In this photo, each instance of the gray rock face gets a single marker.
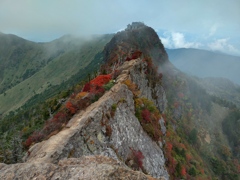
(163, 128)
(91, 167)
(107, 127)
(156, 94)
(128, 133)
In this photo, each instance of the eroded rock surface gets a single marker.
(91, 167)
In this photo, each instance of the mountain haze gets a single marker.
(203, 63)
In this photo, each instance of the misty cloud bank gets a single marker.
(43, 20)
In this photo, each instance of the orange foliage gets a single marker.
(169, 146)
(72, 109)
(132, 87)
(81, 95)
(168, 134)
(182, 146)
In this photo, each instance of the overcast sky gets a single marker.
(205, 24)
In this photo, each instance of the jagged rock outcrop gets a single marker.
(88, 132)
(91, 167)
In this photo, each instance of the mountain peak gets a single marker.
(136, 37)
(135, 25)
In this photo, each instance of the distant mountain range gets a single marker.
(203, 63)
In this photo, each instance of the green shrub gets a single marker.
(109, 85)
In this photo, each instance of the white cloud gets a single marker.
(223, 46)
(177, 40)
(166, 42)
(213, 29)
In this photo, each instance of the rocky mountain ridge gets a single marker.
(84, 134)
(150, 117)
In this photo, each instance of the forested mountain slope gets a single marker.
(29, 68)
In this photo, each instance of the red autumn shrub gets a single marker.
(146, 115)
(83, 103)
(52, 125)
(28, 142)
(97, 90)
(101, 80)
(183, 171)
(34, 138)
(128, 59)
(136, 54)
(138, 157)
(169, 146)
(60, 117)
(172, 165)
(86, 88)
(95, 85)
